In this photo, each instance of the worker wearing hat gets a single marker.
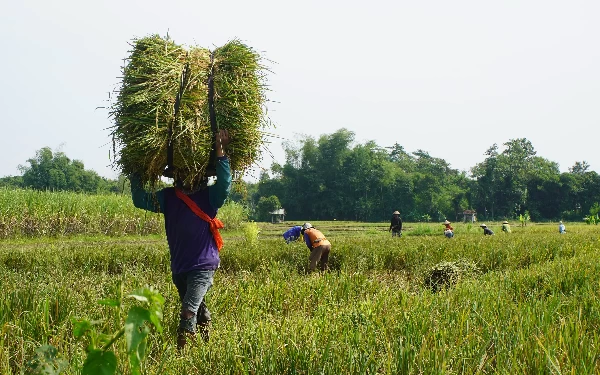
(506, 227)
(448, 230)
(318, 245)
(561, 228)
(396, 224)
(486, 231)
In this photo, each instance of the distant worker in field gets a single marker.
(318, 245)
(506, 227)
(486, 231)
(448, 230)
(292, 234)
(396, 224)
(193, 236)
(561, 228)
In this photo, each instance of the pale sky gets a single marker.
(449, 77)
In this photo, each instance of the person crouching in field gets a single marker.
(561, 228)
(448, 230)
(506, 227)
(396, 224)
(193, 238)
(486, 231)
(318, 245)
(292, 234)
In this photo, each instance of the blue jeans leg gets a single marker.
(192, 287)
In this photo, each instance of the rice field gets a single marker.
(31, 214)
(531, 307)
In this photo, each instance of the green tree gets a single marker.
(55, 171)
(502, 178)
(543, 189)
(266, 205)
(12, 182)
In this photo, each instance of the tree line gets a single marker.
(49, 170)
(332, 177)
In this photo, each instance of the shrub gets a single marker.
(233, 215)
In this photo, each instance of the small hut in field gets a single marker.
(278, 216)
(469, 216)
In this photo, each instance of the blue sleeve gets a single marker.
(154, 202)
(307, 241)
(292, 232)
(297, 230)
(217, 193)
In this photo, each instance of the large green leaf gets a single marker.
(45, 362)
(154, 302)
(136, 331)
(99, 362)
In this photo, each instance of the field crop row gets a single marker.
(533, 307)
(31, 213)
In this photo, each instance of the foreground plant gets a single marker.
(101, 359)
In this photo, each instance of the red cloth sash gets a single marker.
(214, 224)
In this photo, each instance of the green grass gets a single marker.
(533, 308)
(32, 213)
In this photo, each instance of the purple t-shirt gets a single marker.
(190, 240)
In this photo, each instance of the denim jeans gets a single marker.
(192, 287)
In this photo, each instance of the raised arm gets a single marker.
(154, 202)
(218, 192)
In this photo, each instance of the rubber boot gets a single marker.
(203, 321)
(183, 337)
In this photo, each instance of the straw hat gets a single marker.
(446, 222)
(505, 222)
(395, 213)
(483, 226)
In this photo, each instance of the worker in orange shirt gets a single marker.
(318, 245)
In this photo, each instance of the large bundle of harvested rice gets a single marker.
(167, 96)
(447, 274)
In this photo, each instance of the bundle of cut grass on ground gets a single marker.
(164, 97)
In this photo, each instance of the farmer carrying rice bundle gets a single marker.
(188, 115)
(193, 237)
